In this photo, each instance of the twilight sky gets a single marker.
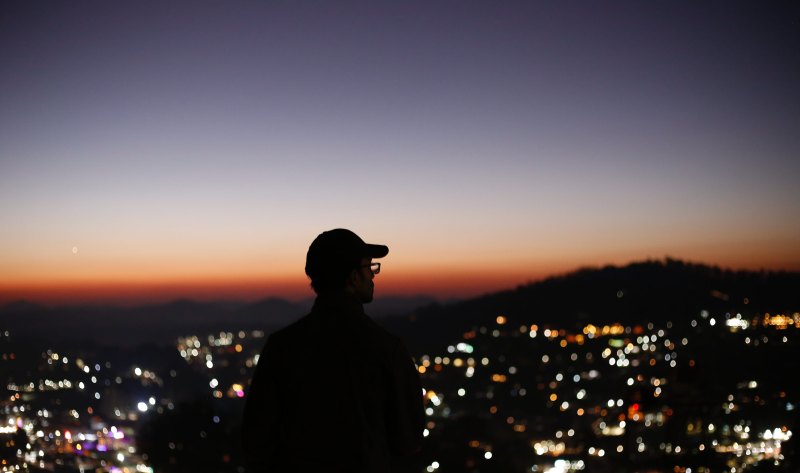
(150, 150)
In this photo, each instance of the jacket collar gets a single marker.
(340, 302)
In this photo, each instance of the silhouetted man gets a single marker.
(334, 392)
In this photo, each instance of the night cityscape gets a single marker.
(706, 392)
(586, 216)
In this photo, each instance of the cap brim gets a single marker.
(376, 251)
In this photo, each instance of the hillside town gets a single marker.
(501, 397)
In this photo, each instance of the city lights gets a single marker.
(595, 388)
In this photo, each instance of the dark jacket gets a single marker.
(333, 392)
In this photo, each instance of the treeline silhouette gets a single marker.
(649, 291)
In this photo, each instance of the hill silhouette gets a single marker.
(652, 291)
(163, 323)
(655, 291)
(158, 324)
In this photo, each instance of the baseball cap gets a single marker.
(339, 248)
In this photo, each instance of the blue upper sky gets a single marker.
(167, 139)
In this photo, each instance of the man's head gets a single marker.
(339, 260)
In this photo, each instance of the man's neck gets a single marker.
(340, 298)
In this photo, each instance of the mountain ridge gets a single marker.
(657, 290)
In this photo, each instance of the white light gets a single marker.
(462, 392)
(137, 371)
(214, 383)
(426, 432)
(120, 457)
(464, 348)
(152, 401)
(142, 406)
(487, 455)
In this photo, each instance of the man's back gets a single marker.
(333, 392)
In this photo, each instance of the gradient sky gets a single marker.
(150, 150)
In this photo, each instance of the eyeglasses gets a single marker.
(374, 267)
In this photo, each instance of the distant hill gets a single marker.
(158, 324)
(651, 290)
(657, 291)
(163, 323)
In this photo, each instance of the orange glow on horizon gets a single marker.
(145, 292)
(441, 281)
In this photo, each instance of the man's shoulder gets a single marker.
(382, 332)
(329, 324)
(293, 329)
